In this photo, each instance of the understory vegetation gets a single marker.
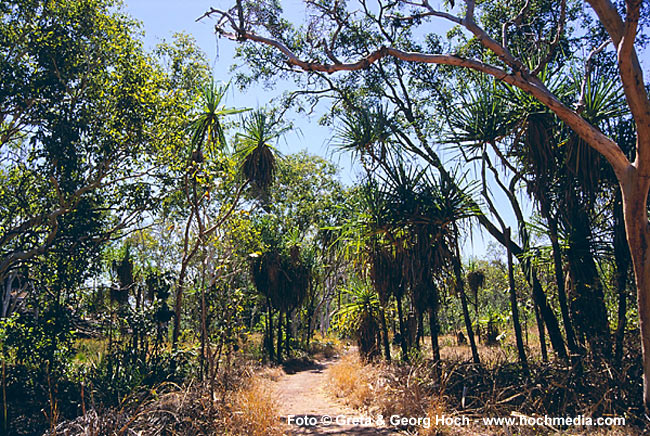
(161, 259)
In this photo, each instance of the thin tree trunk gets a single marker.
(460, 288)
(542, 335)
(433, 326)
(384, 333)
(287, 340)
(269, 324)
(515, 310)
(559, 279)
(402, 329)
(279, 345)
(420, 330)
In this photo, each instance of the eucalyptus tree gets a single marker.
(80, 111)
(514, 55)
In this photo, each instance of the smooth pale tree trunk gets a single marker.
(622, 266)
(635, 198)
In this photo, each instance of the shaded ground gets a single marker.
(301, 393)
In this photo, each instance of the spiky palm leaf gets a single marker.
(207, 128)
(255, 149)
(365, 131)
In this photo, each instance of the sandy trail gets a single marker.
(302, 394)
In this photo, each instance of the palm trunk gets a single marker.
(420, 331)
(269, 324)
(460, 288)
(433, 326)
(402, 329)
(513, 305)
(542, 334)
(559, 279)
(287, 340)
(279, 344)
(384, 333)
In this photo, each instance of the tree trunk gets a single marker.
(559, 278)
(433, 326)
(460, 288)
(635, 200)
(587, 298)
(279, 344)
(420, 331)
(545, 311)
(287, 340)
(384, 333)
(178, 306)
(542, 334)
(402, 329)
(513, 305)
(269, 324)
(622, 266)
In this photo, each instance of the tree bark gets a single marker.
(542, 334)
(278, 352)
(433, 327)
(402, 329)
(635, 198)
(460, 288)
(384, 333)
(515, 311)
(559, 277)
(269, 323)
(622, 265)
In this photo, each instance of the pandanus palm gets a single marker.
(360, 314)
(254, 146)
(283, 275)
(206, 134)
(207, 126)
(563, 170)
(410, 218)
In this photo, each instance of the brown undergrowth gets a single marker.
(496, 389)
(238, 403)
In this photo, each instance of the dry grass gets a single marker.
(497, 389)
(256, 411)
(351, 381)
(247, 409)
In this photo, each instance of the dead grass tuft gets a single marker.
(350, 380)
(256, 411)
(458, 387)
(246, 408)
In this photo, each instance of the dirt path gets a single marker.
(302, 395)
